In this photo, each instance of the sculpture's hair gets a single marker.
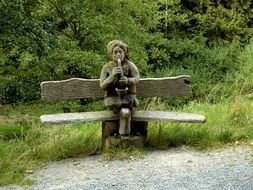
(114, 43)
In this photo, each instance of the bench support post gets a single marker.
(111, 137)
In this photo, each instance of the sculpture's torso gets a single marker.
(128, 70)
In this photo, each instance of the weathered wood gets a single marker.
(111, 129)
(62, 118)
(75, 88)
(168, 116)
(110, 116)
(167, 87)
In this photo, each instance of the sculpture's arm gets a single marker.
(134, 73)
(106, 80)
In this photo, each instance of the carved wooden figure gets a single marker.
(118, 79)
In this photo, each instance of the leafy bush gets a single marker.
(244, 76)
(212, 69)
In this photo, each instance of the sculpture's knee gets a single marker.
(125, 113)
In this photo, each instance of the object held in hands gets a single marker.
(121, 89)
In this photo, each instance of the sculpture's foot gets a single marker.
(129, 141)
(125, 136)
(112, 139)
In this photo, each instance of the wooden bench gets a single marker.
(76, 88)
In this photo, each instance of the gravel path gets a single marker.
(183, 168)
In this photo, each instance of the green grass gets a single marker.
(26, 145)
(227, 122)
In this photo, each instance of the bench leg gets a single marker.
(108, 129)
(140, 128)
(111, 137)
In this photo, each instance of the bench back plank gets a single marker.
(73, 88)
(76, 88)
(167, 87)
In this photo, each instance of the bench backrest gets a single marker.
(76, 88)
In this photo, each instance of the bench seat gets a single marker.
(63, 118)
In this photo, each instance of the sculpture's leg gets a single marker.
(124, 122)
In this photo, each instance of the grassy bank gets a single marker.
(26, 145)
(227, 122)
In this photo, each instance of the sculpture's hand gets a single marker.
(116, 71)
(123, 80)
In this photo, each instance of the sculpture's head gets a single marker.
(117, 49)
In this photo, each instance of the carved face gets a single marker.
(118, 52)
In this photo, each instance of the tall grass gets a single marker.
(43, 145)
(227, 122)
(244, 76)
(26, 146)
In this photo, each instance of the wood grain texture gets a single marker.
(168, 116)
(110, 116)
(62, 118)
(164, 87)
(75, 88)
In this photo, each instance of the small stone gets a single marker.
(236, 142)
(29, 172)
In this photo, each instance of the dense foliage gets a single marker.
(58, 39)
